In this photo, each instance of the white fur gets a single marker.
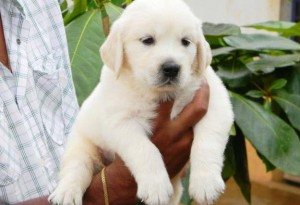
(117, 116)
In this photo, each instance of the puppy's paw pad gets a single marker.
(205, 189)
(154, 192)
(70, 196)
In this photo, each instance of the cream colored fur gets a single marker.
(117, 116)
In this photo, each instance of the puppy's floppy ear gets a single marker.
(111, 51)
(204, 55)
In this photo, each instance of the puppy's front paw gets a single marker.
(206, 188)
(155, 190)
(66, 195)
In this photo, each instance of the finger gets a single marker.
(194, 111)
(185, 140)
(183, 147)
(163, 113)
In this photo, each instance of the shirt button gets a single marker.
(18, 41)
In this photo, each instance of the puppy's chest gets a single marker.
(128, 103)
(144, 109)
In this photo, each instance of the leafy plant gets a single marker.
(87, 23)
(261, 72)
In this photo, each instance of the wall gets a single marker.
(240, 12)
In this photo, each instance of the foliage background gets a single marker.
(261, 72)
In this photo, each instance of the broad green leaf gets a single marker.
(222, 51)
(236, 165)
(290, 103)
(214, 33)
(241, 176)
(269, 134)
(233, 72)
(85, 36)
(278, 84)
(113, 11)
(211, 29)
(258, 42)
(293, 84)
(79, 7)
(277, 26)
(268, 63)
(229, 167)
(284, 28)
(215, 41)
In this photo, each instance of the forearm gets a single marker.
(37, 201)
(120, 185)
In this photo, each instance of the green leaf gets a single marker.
(267, 105)
(269, 134)
(278, 84)
(64, 7)
(85, 35)
(232, 131)
(241, 176)
(229, 167)
(236, 165)
(91, 4)
(255, 93)
(268, 63)
(258, 42)
(79, 7)
(277, 26)
(293, 84)
(113, 11)
(290, 103)
(215, 41)
(118, 3)
(222, 51)
(234, 73)
(211, 29)
(285, 28)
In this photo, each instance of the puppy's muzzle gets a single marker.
(170, 69)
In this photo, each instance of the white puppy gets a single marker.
(155, 51)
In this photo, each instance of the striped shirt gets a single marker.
(37, 99)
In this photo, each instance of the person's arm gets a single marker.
(172, 137)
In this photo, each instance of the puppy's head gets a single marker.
(160, 41)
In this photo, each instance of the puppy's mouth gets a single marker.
(167, 82)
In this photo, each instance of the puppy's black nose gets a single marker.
(170, 69)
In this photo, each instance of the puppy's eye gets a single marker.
(149, 40)
(185, 42)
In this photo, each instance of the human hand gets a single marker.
(172, 137)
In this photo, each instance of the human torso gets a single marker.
(37, 101)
